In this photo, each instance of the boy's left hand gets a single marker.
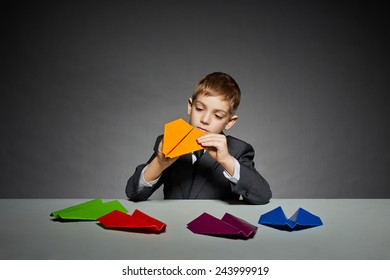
(216, 147)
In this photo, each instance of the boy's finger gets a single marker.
(211, 136)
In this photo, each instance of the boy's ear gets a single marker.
(189, 106)
(231, 122)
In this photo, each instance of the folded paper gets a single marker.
(138, 220)
(90, 210)
(180, 138)
(301, 219)
(229, 226)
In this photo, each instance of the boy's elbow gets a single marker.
(259, 200)
(260, 196)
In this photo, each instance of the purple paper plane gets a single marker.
(229, 226)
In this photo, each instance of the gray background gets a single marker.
(86, 86)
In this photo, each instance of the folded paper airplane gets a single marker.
(229, 226)
(180, 138)
(137, 221)
(91, 210)
(301, 219)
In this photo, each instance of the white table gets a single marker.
(353, 229)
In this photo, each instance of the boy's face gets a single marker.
(210, 114)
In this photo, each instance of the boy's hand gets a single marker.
(158, 164)
(216, 147)
(163, 160)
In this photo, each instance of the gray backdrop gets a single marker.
(86, 86)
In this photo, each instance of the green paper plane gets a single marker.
(91, 210)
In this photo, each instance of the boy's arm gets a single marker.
(133, 191)
(251, 185)
(153, 170)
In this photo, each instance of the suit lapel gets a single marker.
(186, 173)
(202, 170)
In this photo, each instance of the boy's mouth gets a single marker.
(202, 129)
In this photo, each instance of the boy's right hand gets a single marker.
(158, 164)
(163, 160)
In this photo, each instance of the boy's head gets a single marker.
(219, 84)
(214, 103)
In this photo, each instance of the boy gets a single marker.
(225, 170)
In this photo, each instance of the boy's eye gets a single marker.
(198, 108)
(218, 117)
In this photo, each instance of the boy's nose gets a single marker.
(205, 119)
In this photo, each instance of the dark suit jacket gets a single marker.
(205, 179)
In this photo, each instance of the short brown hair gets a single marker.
(216, 84)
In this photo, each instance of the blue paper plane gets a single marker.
(301, 219)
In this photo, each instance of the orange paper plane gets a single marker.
(180, 138)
